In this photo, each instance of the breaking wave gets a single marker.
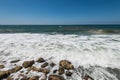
(96, 55)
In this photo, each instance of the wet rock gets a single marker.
(21, 71)
(45, 70)
(15, 69)
(14, 61)
(55, 71)
(44, 65)
(61, 71)
(27, 64)
(10, 78)
(40, 60)
(68, 73)
(23, 77)
(66, 64)
(55, 77)
(34, 69)
(4, 74)
(87, 77)
(34, 78)
(52, 64)
(2, 66)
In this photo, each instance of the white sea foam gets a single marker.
(81, 50)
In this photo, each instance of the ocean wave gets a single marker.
(81, 50)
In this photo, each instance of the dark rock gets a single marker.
(15, 69)
(23, 77)
(34, 69)
(52, 64)
(4, 74)
(66, 64)
(44, 65)
(87, 77)
(27, 64)
(40, 60)
(2, 66)
(61, 71)
(68, 73)
(45, 70)
(14, 61)
(54, 71)
(55, 77)
(34, 78)
(21, 71)
(10, 78)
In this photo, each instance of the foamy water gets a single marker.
(84, 51)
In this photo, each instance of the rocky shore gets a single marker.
(46, 69)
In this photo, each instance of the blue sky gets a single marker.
(59, 11)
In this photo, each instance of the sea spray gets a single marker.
(87, 51)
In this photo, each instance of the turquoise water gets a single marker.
(87, 29)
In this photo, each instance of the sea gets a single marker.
(92, 49)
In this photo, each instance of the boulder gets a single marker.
(40, 60)
(66, 64)
(55, 71)
(4, 74)
(44, 65)
(10, 78)
(15, 69)
(68, 73)
(27, 64)
(2, 66)
(52, 64)
(15, 61)
(34, 78)
(55, 77)
(87, 77)
(45, 70)
(61, 71)
(34, 69)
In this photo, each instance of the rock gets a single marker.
(87, 77)
(23, 77)
(34, 78)
(2, 66)
(54, 71)
(61, 71)
(14, 61)
(15, 69)
(4, 74)
(27, 64)
(52, 64)
(68, 73)
(34, 69)
(21, 71)
(45, 70)
(44, 65)
(55, 77)
(10, 78)
(43, 77)
(40, 60)
(66, 64)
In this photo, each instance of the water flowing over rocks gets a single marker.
(48, 70)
